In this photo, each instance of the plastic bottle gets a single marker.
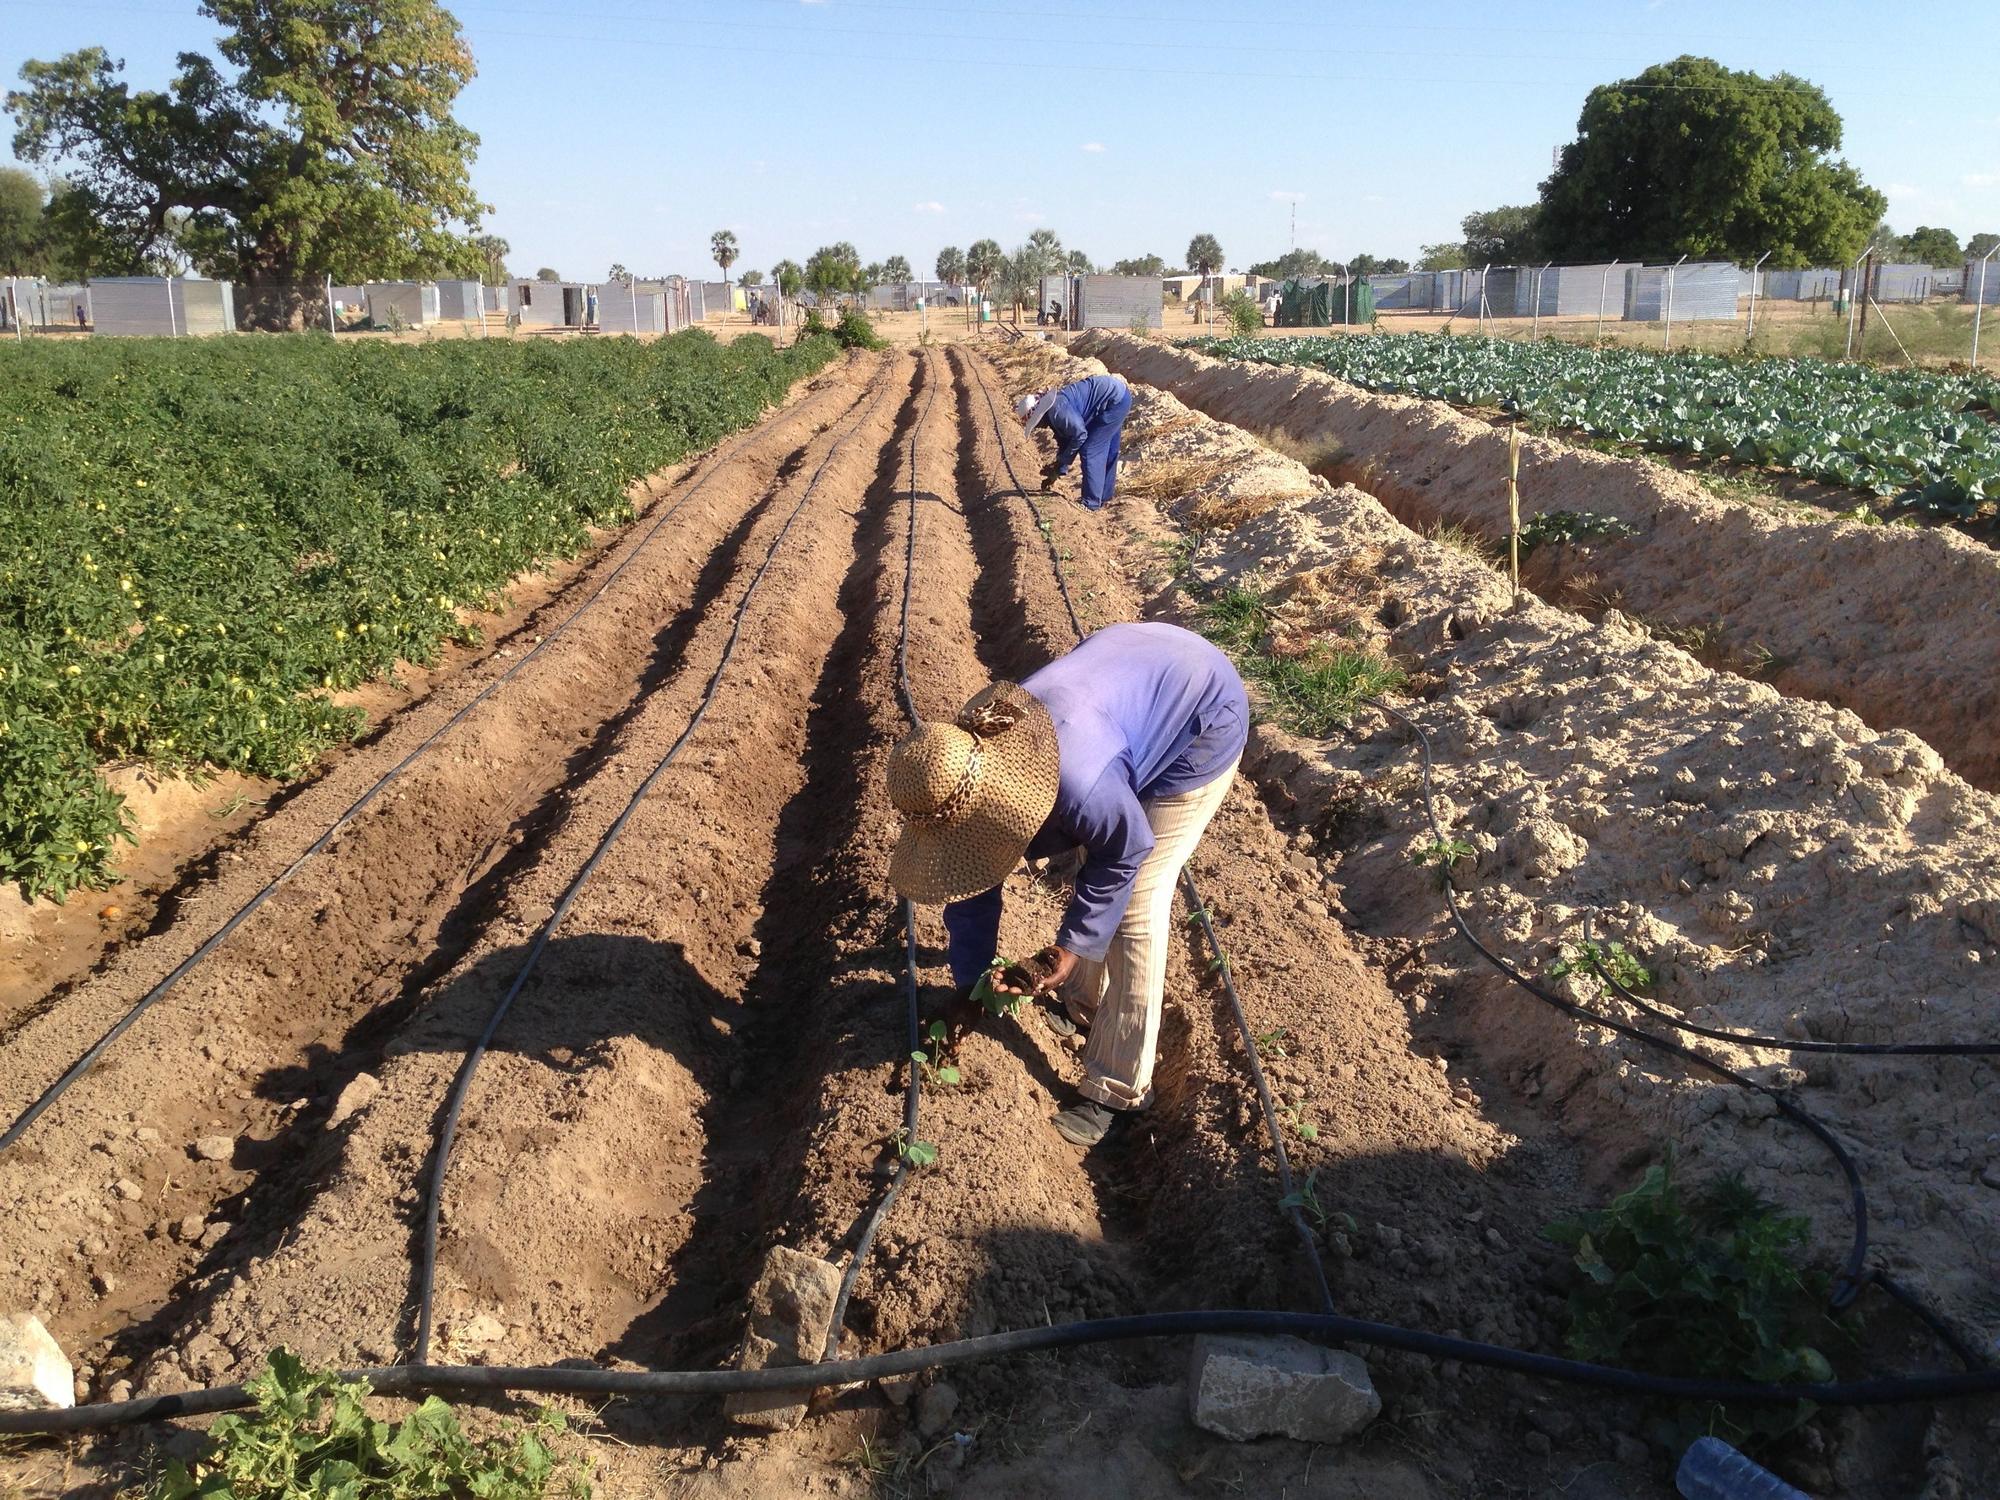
(1712, 1470)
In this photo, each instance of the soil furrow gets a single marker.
(571, 1169)
(274, 1013)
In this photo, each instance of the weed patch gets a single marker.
(1314, 691)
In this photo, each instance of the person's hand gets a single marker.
(1036, 975)
(1049, 477)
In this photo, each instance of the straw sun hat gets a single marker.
(972, 794)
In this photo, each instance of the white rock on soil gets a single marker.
(1244, 1388)
(358, 1095)
(791, 1308)
(478, 1330)
(936, 1406)
(34, 1373)
(215, 1148)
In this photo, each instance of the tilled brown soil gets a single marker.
(709, 1056)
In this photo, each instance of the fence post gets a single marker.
(1482, 297)
(1755, 279)
(173, 328)
(1670, 302)
(1514, 504)
(1848, 353)
(1603, 289)
(330, 328)
(1535, 329)
(1979, 309)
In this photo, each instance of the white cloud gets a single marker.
(1284, 195)
(1981, 179)
(928, 206)
(1094, 147)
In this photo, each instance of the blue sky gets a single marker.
(622, 130)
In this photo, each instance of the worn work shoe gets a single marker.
(1084, 1123)
(1058, 1017)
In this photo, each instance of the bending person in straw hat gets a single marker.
(1087, 417)
(1122, 749)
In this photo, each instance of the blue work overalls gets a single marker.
(1088, 417)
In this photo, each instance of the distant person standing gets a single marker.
(1087, 417)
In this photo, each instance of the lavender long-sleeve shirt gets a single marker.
(1141, 711)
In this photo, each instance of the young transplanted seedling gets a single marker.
(935, 1071)
(911, 1151)
(1441, 855)
(1306, 1196)
(996, 1003)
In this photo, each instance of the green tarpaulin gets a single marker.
(1323, 304)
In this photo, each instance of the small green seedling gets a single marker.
(1296, 1113)
(912, 1152)
(928, 1059)
(1613, 958)
(1441, 855)
(1272, 1043)
(1306, 1196)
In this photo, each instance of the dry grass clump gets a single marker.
(1173, 476)
(1466, 542)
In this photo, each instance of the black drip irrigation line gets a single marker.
(589, 1380)
(1044, 526)
(864, 1239)
(462, 1082)
(1746, 1039)
(1199, 913)
(215, 939)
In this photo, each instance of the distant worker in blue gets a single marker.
(1086, 417)
(1120, 753)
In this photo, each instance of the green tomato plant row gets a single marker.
(1923, 437)
(202, 542)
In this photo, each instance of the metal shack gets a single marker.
(552, 304)
(1696, 292)
(170, 305)
(401, 304)
(632, 307)
(715, 298)
(1118, 302)
(1982, 283)
(460, 301)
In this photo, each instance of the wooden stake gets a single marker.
(1514, 506)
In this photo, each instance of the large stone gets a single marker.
(791, 1309)
(34, 1373)
(1243, 1388)
(360, 1092)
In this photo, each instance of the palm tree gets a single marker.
(896, 271)
(789, 276)
(722, 245)
(983, 262)
(1078, 264)
(1204, 254)
(494, 250)
(1046, 252)
(950, 266)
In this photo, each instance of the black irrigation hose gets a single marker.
(462, 1082)
(1854, 1276)
(215, 939)
(1746, 1039)
(1200, 915)
(1045, 527)
(588, 1380)
(864, 1239)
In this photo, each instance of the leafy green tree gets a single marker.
(1980, 244)
(789, 277)
(1449, 256)
(1504, 236)
(1692, 158)
(1934, 247)
(833, 269)
(1377, 265)
(983, 262)
(331, 151)
(548, 273)
(950, 265)
(1204, 254)
(722, 247)
(1292, 263)
(618, 274)
(24, 244)
(1143, 265)
(752, 278)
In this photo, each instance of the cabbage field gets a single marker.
(1926, 439)
(202, 541)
